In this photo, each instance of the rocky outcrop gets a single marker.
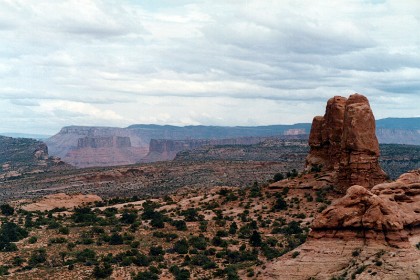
(326, 133)
(367, 234)
(360, 213)
(344, 141)
(359, 160)
(388, 212)
(24, 155)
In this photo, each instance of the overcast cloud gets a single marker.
(231, 62)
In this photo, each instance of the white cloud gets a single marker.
(202, 62)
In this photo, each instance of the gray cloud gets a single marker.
(202, 62)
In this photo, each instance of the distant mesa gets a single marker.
(110, 146)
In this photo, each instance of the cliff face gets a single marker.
(359, 159)
(104, 142)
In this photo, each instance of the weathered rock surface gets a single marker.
(332, 257)
(344, 141)
(367, 234)
(405, 194)
(360, 213)
(359, 160)
(326, 133)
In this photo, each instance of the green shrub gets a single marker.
(102, 271)
(181, 246)
(37, 257)
(7, 210)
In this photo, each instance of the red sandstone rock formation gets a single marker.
(359, 146)
(344, 141)
(387, 213)
(325, 136)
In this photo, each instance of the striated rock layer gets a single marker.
(344, 141)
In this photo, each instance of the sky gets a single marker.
(203, 62)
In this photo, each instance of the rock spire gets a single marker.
(344, 141)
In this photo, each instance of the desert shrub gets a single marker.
(203, 261)
(86, 255)
(141, 260)
(116, 239)
(198, 242)
(255, 239)
(128, 217)
(84, 215)
(233, 228)
(255, 190)
(181, 246)
(4, 270)
(222, 233)
(231, 273)
(191, 215)
(278, 177)
(58, 240)
(7, 247)
(102, 271)
(63, 230)
(179, 224)
(7, 210)
(218, 241)
(37, 257)
(18, 261)
(156, 251)
(146, 275)
(168, 236)
(270, 252)
(280, 204)
(11, 232)
(180, 274)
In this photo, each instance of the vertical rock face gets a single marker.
(344, 141)
(360, 148)
(325, 136)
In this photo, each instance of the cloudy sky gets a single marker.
(210, 62)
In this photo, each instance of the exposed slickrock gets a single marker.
(361, 214)
(60, 200)
(332, 257)
(405, 193)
